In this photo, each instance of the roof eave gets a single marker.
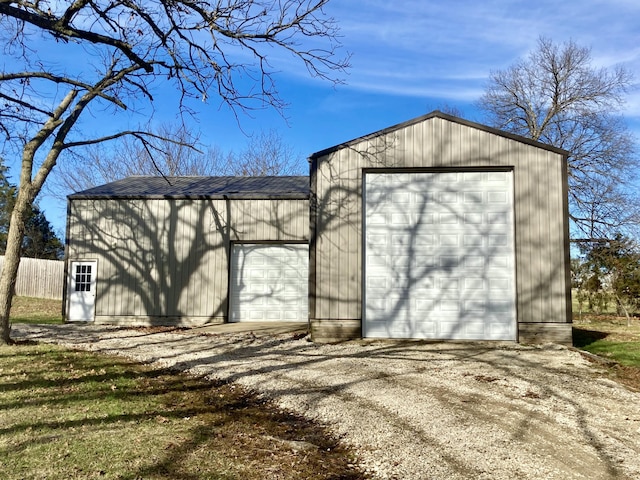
(230, 196)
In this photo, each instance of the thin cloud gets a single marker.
(398, 46)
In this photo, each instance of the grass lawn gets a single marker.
(71, 414)
(36, 310)
(611, 338)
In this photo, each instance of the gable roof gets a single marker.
(155, 187)
(444, 116)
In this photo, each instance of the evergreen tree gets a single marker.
(40, 240)
(7, 195)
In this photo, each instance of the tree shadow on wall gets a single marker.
(166, 261)
(340, 247)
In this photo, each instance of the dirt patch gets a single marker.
(415, 409)
(629, 376)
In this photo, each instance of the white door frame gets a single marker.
(81, 292)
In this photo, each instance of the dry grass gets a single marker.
(36, 310)
(70, 414)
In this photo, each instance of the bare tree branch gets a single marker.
(60, 27)
(557, 97)
(120, 50)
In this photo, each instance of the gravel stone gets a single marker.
(415, 410)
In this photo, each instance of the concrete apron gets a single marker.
(257, 328)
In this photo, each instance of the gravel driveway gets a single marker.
(416, 410)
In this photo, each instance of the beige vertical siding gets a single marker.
(269, 220)
(167, 260)
(540, 206)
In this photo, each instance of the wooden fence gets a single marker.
(39, 278)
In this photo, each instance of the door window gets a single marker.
(83, 278)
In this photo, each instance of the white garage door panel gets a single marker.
(269, 283)
(439, 256)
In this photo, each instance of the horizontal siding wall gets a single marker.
(440, 143)
(169, 258)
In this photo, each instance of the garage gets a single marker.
(269, 282)
(435, 228)
(159, 251)
(439, 255)
(440, 228)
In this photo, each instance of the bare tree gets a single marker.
(118, 53)
(266, 154)
(174, 155)
(556, 96)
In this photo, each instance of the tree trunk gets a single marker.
(624, 309)
(10, 268)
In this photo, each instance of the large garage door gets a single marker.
(439, 256)
(269, 283)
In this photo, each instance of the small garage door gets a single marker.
(269, 283)
(439, 256)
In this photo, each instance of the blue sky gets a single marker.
(410, 57)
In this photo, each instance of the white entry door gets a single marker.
(82, 291)
(440, 255)
(269, 283)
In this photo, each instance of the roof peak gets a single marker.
(444, 116)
